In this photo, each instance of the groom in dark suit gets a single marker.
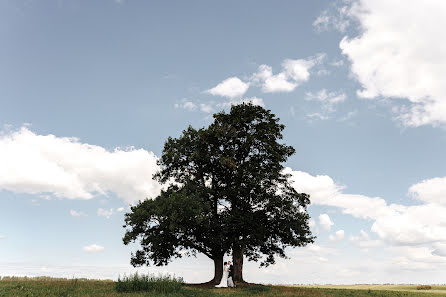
(231, 275)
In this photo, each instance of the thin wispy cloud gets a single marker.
(93, 248)
(75, 213)
(186, 104)
(105, 212)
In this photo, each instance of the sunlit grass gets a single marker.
(62, 287)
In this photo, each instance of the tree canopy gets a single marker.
(227, 192)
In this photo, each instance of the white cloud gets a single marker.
(294, 72)
(67, 168)
(120, 209)
(348, 116)
(430, 190)
(394, 223)
(363, 236)
(323, 72)
(339, 235)
(317, 115)
(231, 87)
(94, 248)
(336, 18)
(364, 240)
(2, 236)
(207, 108)
(337, 63)
(325, 222)
(105, 212)
(439, 249)
(399, 53)
(273, 83)
(328, 100)
(416, 258)
(324, 96)
(75, 213)
(186, 104)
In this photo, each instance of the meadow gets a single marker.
(50, 287)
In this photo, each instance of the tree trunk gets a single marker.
(237, 258)
(218, 270)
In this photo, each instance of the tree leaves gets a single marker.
(227, 190)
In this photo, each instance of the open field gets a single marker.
(91, 288)
(436, 289)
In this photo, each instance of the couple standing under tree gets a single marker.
(227, 280)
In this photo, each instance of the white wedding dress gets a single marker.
(224, 279)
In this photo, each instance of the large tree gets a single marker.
(227, 193)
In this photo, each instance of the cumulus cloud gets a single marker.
(105, 212)
(75, 213)
(416, 258)
(231, 87)
(439, 249)
(399, 54)
(325, 222)
(339, 235)
(363, 236)
(364, 240)
(94, 248)
(67, 168)
(121, 209)
(394, 223)
(430, 190)
(294, 72)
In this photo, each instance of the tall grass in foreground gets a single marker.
(163, 284)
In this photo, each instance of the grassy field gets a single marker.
(438, 290)
(80, 287)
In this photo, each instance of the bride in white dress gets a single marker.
(224, 279)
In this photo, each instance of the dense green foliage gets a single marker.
(21, 287)
(146, 282)
(230, 194)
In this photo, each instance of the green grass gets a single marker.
(151, 283)
(50, 287)
(433, 291)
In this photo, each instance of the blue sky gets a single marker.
(89, 92)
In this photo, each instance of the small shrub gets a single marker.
(424, 287)
(159, 284)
